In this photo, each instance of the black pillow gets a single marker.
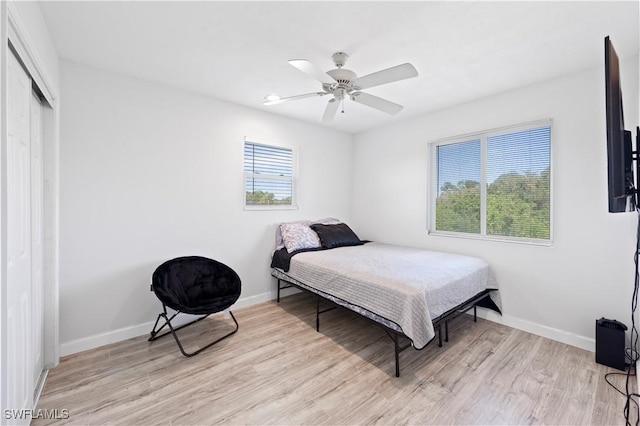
(338, 235)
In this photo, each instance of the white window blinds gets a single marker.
(519, 185)
(495, 184)
(458, 200)
(269, 175)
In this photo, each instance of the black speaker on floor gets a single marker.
(610, 343)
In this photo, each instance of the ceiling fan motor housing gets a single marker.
(343, 77)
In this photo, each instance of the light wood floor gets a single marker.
(278, 370)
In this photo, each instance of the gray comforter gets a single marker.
(407, 286)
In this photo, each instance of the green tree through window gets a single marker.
(458, 207)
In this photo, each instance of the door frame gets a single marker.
(14, 35)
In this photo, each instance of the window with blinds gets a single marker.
(495, 184)
(269, 175)
(458, 200)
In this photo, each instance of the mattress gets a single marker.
(404, 286)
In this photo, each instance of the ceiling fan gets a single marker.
(343, 83)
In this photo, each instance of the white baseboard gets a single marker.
(558, 335)
(125, 333)
(97, 340)
(102, 339)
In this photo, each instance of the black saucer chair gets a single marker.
(194, 285)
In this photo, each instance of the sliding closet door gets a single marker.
(37, 244)
(19, 266)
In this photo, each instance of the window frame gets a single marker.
(483, 136)
(293, 178)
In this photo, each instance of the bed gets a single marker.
(410, 292)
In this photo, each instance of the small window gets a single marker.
(495, 184)
(269, 176)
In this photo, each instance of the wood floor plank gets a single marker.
(279, 370)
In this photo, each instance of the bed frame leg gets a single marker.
(318, 314)
(446, 331)
(475, 313)
(439, 335)
(397, 354)
(278, 297)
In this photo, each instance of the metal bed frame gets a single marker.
(395, 335)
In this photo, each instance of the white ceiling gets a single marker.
(238, 51)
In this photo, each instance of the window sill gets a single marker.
(501, 239)
(270, 207)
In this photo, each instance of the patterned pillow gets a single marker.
(297, 236)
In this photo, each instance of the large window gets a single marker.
(495, 184)
(269, 175)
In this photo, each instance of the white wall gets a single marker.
(149, 173)
(556, 291)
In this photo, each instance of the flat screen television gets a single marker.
(620, 154)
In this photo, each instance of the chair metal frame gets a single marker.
(154, 333)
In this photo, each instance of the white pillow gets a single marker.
(327, 221)
(297, 236)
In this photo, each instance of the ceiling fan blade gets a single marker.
(376, 102)
(311, 70)
(397, 73)
(293, 98)
(330, 110)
